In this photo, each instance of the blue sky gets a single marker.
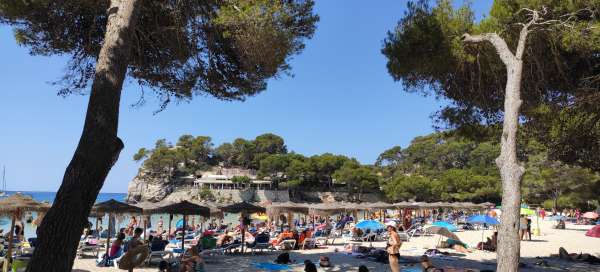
(340, 100)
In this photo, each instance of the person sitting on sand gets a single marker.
(490, 244)
(136, 239)
(115, 248)
(458, 245)
(193, 263)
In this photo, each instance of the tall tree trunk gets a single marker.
(97, 151)
(509, 244)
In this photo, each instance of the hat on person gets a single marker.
(391, 224)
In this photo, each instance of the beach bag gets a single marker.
(104, 261)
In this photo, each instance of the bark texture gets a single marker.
(509, 244)
(97, 151)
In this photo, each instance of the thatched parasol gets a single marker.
(183, 207)
(116, 207)
(14, 206)
(109, 207)
(243, 207)
(285, 207)
(377, 205)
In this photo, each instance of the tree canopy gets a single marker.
(224, 49)
(560, 77)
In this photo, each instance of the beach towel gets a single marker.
(272, 267)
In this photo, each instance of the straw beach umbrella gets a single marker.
(112, 206)
(243, 208)
(14, 206)
(184, 208)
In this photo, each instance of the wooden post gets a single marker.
(183, 236)
(108, 237)
(169, 233)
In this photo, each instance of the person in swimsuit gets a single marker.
(393, 247)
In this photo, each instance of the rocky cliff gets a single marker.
(148, 187)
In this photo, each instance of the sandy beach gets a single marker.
(573, 239)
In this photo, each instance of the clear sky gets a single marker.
(340, 100)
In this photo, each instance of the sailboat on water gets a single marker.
(3, 192)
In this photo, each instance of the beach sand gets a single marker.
(573, 239)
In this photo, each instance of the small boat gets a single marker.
(3, 192)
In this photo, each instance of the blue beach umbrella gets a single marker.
(370, 224)
(482, 219)
(447, 225)
(557, 218)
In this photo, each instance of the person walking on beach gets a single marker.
(393, 247)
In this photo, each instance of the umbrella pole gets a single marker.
(183, 235)
(145, 224)
(108, 236)
(169, 233)
(8, 257)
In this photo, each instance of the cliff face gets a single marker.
(146, 187)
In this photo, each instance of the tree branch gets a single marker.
(501, 47)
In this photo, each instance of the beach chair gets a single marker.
(85, 247)
(261, 243)
(158, 252)
(309, 243)
(287, 245)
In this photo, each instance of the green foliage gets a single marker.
(449, 167)
(140, 155)
(358, 178)
(564, 185)
(560, 74)
(206, 194)
(225, 49)
(241, 179)
(192, 154)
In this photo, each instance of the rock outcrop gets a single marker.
(147, 187)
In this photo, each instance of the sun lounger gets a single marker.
(309, 243)
(84, 247)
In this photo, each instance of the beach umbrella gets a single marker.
(14, 206)
(594, 232)
(482, 219)
(590, 215)
(243, 208)
(441, 231)
(112, 207)
(370, 224)
(446, 225)
(556, 218)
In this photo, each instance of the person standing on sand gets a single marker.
(393, 247)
